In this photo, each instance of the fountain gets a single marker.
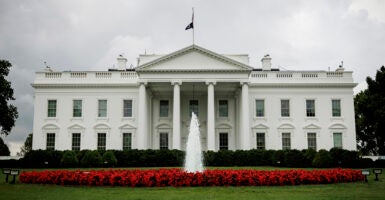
(193, 160)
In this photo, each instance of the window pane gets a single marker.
(163, 140)
(261, 141)
(260, 108)
(50, 141)
(51, 108)
(223, 108)
(337, 139)
(127, 141)
(336, 107)
(77, 108)
(310, 108)
(163, 108)
(285, 108)
(312, 141)
(127, 108)
(223, 141)
(101, 141)
(286, 142)
(193, 107)
(102, 108)
(75, 141)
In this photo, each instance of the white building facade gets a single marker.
(238, 106)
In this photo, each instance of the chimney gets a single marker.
(266, 63)
(341, 67)
(122, 61)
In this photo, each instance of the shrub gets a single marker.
(322, 159)
(109, 159)
(91, 159)
(309, 155)
(42, 159)
(294, 158)
(278, 158)
(364, 163)
(69, 159)
(379, 163)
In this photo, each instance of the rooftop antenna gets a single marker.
(342, 64)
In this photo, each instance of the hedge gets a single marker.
(175, 158)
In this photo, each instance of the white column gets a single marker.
(245, 125)
(210, 117)
(142, 117)
(176, 117)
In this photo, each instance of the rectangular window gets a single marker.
(260, 108)
(102, 108)
(163, 141)
(336, 107)
(310, 108)
(163, 108)
(311, 141)
(77, 108)
(51, 108)
(127, 108)
(286, 141)
(285, 108)
(223, 108)
(193, 107)
(261, 141)
(50, 141)
(337, 139)
(223, 141)
(101, 141)
(75, 141)
(127, 139)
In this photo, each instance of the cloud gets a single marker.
(129, 46)
(89, 35)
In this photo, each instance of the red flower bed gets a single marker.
(177, 177)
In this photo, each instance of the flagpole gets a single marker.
(193, 29)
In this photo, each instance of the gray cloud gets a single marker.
(88, 35)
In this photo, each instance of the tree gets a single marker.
(369, 108)
(8, 112)
(27, 147)
(4, 151)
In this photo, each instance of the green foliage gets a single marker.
(8, 112)
(369, 108)
(27, 147)
(4, 150)
(69, 159)
(42, 159)
(323, 159)
(91, 159)
(109, 159)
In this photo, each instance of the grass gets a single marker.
(359, 190)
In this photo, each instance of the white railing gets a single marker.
(53, 74)
(300, 76)
(78, 74)
(129, 75)
(103, 74)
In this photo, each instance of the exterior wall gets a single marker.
(323, 124)
(271, 86)
(63, 125)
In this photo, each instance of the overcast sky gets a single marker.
(88, 35)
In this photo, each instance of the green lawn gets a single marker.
(359, 190)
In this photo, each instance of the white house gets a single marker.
(238, 106)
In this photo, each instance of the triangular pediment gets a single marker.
(193, 58)
(260, 126)
(127, 126)
(312, 126)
